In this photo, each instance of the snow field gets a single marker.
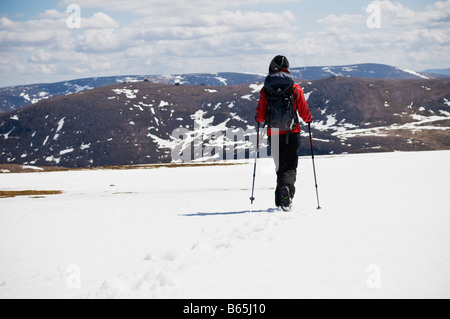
(192, 233)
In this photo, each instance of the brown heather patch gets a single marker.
(38, 194)
(19, 169)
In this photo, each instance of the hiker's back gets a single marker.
(281, 113)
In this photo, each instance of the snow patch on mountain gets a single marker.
(446, 102)
(328, 70)
(67, 151)
(308, 95)
(26, 97)
(85, 146)
(208, 140)
(163, 104)
(130, 94)
(6, 135)
(417, 125)
(256, 88)
(222, 80)
(56, 160)
(162, 143)
(78, 88)
(60, 125)
(248, 97)
(412, 72)
(59, 128)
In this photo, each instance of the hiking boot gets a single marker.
(286, 201)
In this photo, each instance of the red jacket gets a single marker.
(300, 105)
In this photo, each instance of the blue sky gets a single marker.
(119, 37)
(313, 8)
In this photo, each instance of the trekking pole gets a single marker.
(254, 169)
(314, 165)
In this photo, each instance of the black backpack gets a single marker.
(281, 113)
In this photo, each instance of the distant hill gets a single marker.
(133, 123)
(369, 70)
(445, 72)
(12, 98)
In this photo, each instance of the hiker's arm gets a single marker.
(262, 107)
(302, 105)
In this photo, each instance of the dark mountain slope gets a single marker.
(134, 123)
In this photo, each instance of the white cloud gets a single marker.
(5, 23)
(31, 33)
(413, 39)
(99, 20)
(98, 41)
(206, 36)
(395, 14)
(53, 14)
(346, 19)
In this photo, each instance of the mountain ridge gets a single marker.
(16, 97)
(444, 72)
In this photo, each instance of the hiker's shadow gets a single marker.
(267, 211)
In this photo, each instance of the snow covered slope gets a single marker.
(191, 233)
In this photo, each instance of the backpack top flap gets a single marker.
(280, 101)
(279, 82)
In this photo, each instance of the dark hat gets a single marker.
(278, 63)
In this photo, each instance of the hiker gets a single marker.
(281, 99)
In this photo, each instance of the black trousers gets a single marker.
(285, 154)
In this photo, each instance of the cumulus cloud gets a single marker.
(5, 23)
(99, 20)
(397, 15)
(99, 41)
(206, 36)
(159, 43)
(346, 19)
(19, 35)
(53, 14)
(407, 38)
